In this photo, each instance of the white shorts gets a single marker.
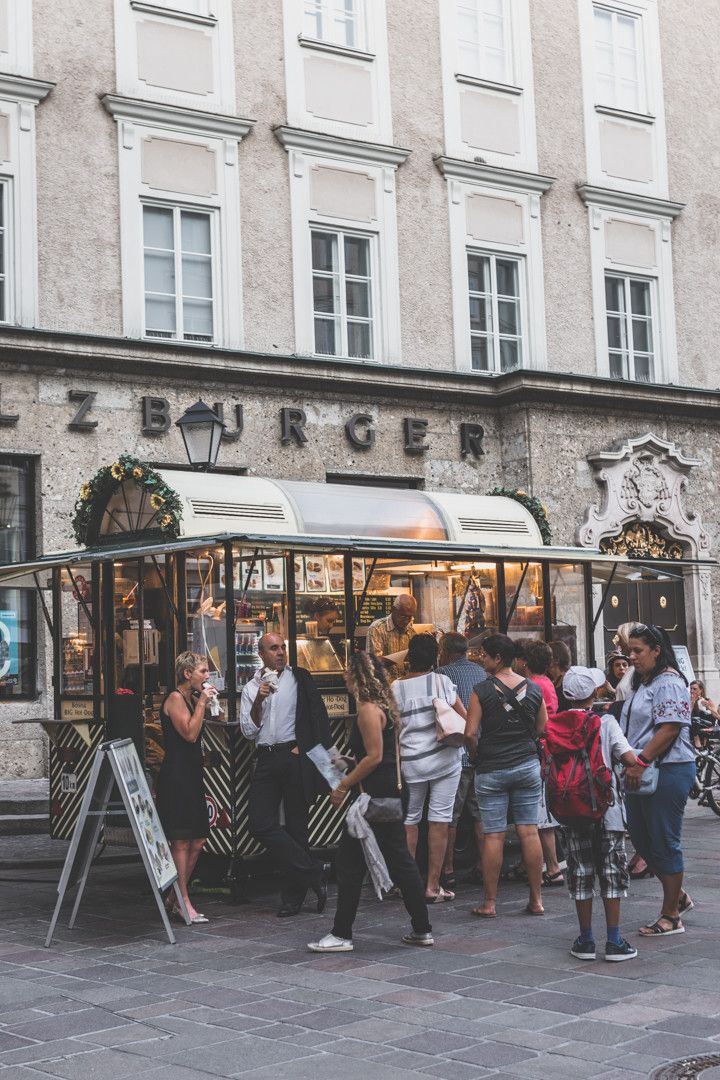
(442, 799)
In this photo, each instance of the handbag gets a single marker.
(449, 725)
(651, 772)
(381, 810)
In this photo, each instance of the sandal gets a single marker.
(534, 911)
(686, 903)
(515, 873)
(440, 898)
(553, 880)
(657, 930)
(483, 914)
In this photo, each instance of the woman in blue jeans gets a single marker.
(656, 722)
(506, 713)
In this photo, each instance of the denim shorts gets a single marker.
(517, 788)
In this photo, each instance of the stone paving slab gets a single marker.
(241, 997)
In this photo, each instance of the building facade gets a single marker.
(456, 244)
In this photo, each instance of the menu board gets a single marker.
(375, 606)
(138, 801)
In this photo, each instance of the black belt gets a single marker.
(271, 748)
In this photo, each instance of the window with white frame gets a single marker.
(496, 317)
(630, 327)
(338, 22)
(484, 39)
(343, 294)
(178, 260)
(4, 254)
(618, 59)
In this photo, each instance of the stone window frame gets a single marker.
(653, 115)
(137, 121)
(633, 211)
(307, 150)
(373, 56)
(454, 80)
(218, 22)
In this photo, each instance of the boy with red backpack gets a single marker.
(580, 749)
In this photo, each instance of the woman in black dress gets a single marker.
(373, 742)
(180, 792)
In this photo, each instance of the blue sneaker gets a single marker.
(623, 951)
(583, 950)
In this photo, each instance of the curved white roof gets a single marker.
(218, 503)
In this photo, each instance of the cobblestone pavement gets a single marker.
(242, 997)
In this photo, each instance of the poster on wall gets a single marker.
(336, 573)
(274, 572)
(299, 563)
(315, 574)
(9, 646)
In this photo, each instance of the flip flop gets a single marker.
(484, 914)
(440, 898)
(533, 911)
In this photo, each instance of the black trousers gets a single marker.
(277, 780)
(350, 870)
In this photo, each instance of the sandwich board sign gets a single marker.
(116, 762)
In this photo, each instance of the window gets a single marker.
(484, 39)
(629, 304)
(3, 254)
(178, 273)
(496, 324)
(342, 294)
(18, 644)
(339, 22)
(618, 60)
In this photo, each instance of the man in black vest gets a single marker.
(283, 712)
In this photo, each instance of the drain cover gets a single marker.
(687, 1068)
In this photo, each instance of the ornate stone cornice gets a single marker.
(313, 142)
(176, 118)
(610, 199)
(494, 175)
(20, 88)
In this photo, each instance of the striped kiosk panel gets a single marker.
(71, 760)
(325, 821)
(217, 776)
(244, 754)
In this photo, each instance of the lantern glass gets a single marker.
(201, 431)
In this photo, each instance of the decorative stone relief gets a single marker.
(644, 481)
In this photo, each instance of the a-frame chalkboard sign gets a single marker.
(117, 762)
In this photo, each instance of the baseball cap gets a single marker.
(580, 683)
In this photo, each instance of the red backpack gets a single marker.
(578, 782)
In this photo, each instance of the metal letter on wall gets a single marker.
(228, 435)
(84, 399)
(471, 440)
(292, 427)
(415, 432)
(156, 415)
(360, 441)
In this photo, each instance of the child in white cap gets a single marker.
(597, 850)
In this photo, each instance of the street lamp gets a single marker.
(202, 431)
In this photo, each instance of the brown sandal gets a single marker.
(656, 930)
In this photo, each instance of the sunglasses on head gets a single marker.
(646, 630)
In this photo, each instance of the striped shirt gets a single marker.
(465, 675)
(422, 757)
(384, 638)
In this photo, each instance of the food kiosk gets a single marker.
(178, 559)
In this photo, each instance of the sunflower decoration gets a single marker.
(95, 494)
(532, 504)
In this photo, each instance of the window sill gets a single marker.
(173, 13)
(336, 50)
(487, 84)
(625, 114)
(151, 338)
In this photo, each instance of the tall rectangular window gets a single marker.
(342, 294)
(178, 273)
(630, 327)
(3, 253)
(339, 22)
(496, 318)
(18, 631)
(484, 39)
(618, 60)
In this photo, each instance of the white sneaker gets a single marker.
(331, 943)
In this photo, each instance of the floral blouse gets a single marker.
(666, 700)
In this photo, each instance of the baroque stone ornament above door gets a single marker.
(644, 481)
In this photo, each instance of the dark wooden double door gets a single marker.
(661, 603)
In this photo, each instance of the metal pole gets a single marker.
(291, 607)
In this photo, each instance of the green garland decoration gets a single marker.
(96, 493)
(532, 504)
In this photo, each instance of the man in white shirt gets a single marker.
(282, 711)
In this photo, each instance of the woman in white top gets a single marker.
(428, 767)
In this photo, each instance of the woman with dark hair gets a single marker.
(373, 741)
(430, 769)
(506, 714)
(617, 665)
(656, 722)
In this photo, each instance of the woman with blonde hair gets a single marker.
(180, 790)
(373, 741)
